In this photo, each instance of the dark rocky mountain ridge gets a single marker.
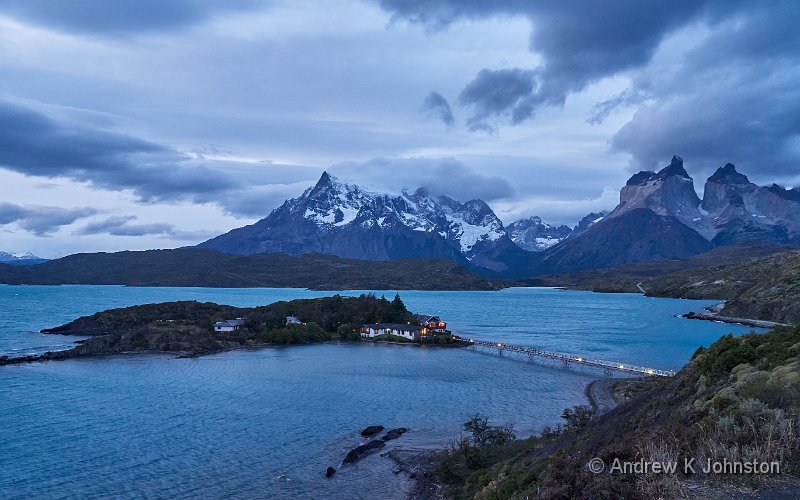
(660, 216)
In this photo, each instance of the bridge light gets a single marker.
(580, 360)
(650, 371)
(499, 345)
(621, 367)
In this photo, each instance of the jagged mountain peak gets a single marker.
(728, 174)
(787, 194)
(534, 235)
(588, 221)
(675, 167)
(344, 219)
(668, 192)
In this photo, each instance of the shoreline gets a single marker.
(712, 316)
(600, 396)
(76, 352)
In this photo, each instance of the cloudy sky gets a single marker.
(139, 124)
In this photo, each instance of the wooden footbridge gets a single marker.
(566, 359)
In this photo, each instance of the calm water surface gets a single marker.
(267, 423)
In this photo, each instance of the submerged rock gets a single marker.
(330, 471)
(394, 434)
(372, 430)
(362, 451)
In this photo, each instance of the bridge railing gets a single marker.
(571, 358)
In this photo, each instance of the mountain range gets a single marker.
(20, 259)
(348, 221)
(659, 216)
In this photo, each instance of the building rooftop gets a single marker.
(394, 326)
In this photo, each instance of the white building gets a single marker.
(410, 332)
(228, 325)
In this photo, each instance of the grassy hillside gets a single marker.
(757, 280)
(207, 268)
(738, 400)
(766, 288)
(624, 278)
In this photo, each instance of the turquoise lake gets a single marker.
(267, 423)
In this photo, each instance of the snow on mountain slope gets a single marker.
(534, 235)
(344, 219)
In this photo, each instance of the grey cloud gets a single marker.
(31, 143)
(733, 98)
(34, 144)
(436, 105)
(123, 226)
(713, 79)
(627, 97)
(118, 17)
(580, 43)
(494, 94)
(41, 220)
(441, 176)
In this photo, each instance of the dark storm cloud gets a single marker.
(124, 226)
(494, 94)
(436, 106)
(734, 98)
(31, 143)
(40, 220)
(725, 91)
(117, 17)
(579, 41)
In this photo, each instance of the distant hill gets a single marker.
(624, 278)
(757, 280)
(207, 268)
(765, 288)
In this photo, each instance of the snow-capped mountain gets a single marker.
(343, 219)
(534, 235)
(20, 258)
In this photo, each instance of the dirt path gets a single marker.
(599, 395)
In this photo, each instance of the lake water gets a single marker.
(267, 423)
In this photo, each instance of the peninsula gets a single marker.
(190, 328)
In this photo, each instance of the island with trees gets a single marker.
(187, 328)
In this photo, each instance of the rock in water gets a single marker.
(330, 471)
(372, 430)
(362, 451)
(394, 434)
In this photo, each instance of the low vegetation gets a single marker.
(766, 288)
(187, 327)
(757, 280)
(738, 400)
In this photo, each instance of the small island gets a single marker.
(191, 328)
